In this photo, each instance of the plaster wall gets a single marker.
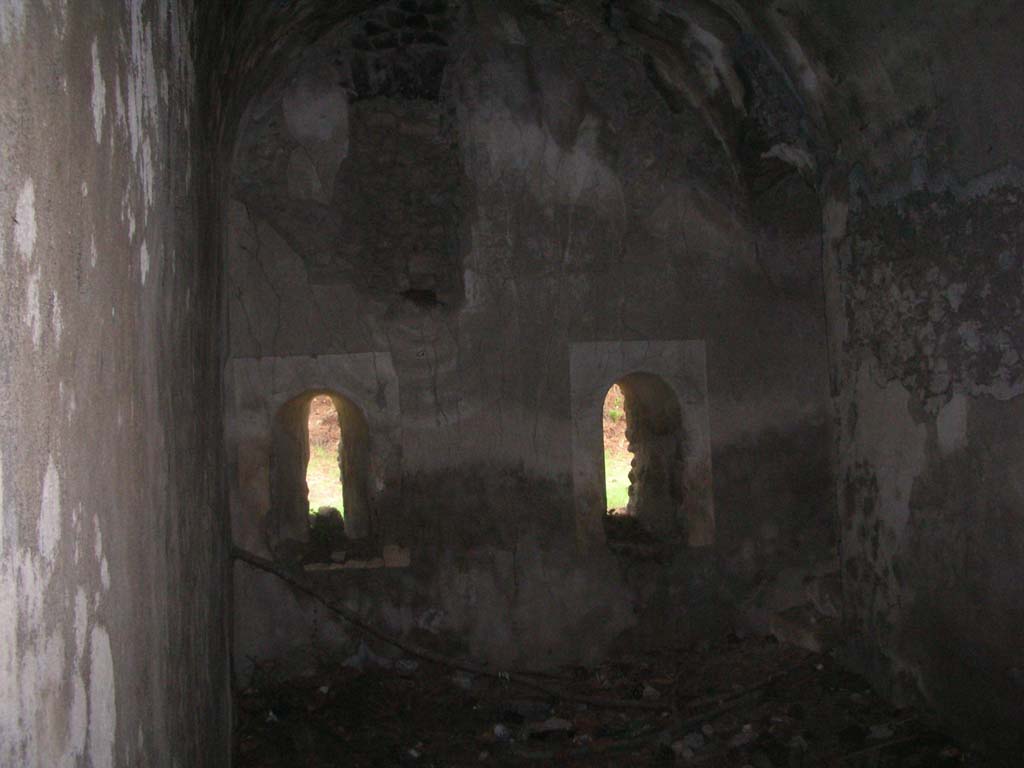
(113, 639)
(923, 257)
(579, 206)
(930, 497)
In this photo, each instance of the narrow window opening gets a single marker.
(321, 512)
(643, 458)
(319, 466)
(323, 472)
(617, 455)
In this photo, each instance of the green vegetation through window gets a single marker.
(617, 456)
(323, 472)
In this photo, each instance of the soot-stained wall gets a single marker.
(113, 632)
(924, 251)
(537, 190)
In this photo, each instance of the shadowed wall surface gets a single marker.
(427, 207)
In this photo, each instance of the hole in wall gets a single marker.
(618, 457)
(645, 442)
(323, 471)
(296, 450)
(306, 448)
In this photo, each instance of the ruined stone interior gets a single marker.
(793, 232)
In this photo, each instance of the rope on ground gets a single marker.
(353, 618)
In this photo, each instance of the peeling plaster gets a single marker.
(128, 213)
(9, 714)
(32, 316)
(119, 110)
(951, 425)
(143, 100)
(144, 261)
(78, 720)
(58, 697)
(315, 113)
(562, 175)
(891, 441)
(25, 221)
(99, 94)
(8, 653)
(49, 513)
(721, 69)
(102, 700)
(70, 404)
(42, 678)
(79, 714)
(888, 452)
(81, 621)
(58, 319)
(34, 725)
(12, 20)
(795, 156)
(58, 11)
(511, 30)
(930, 290)
(98, 543)
(3, 512)
(806, 75)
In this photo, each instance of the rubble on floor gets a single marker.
(751, 702)
(330, 549)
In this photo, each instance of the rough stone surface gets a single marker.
(932, 286)
(923, 254)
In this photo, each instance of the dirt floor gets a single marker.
(750, 702)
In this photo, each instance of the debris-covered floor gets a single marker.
(748, 702)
